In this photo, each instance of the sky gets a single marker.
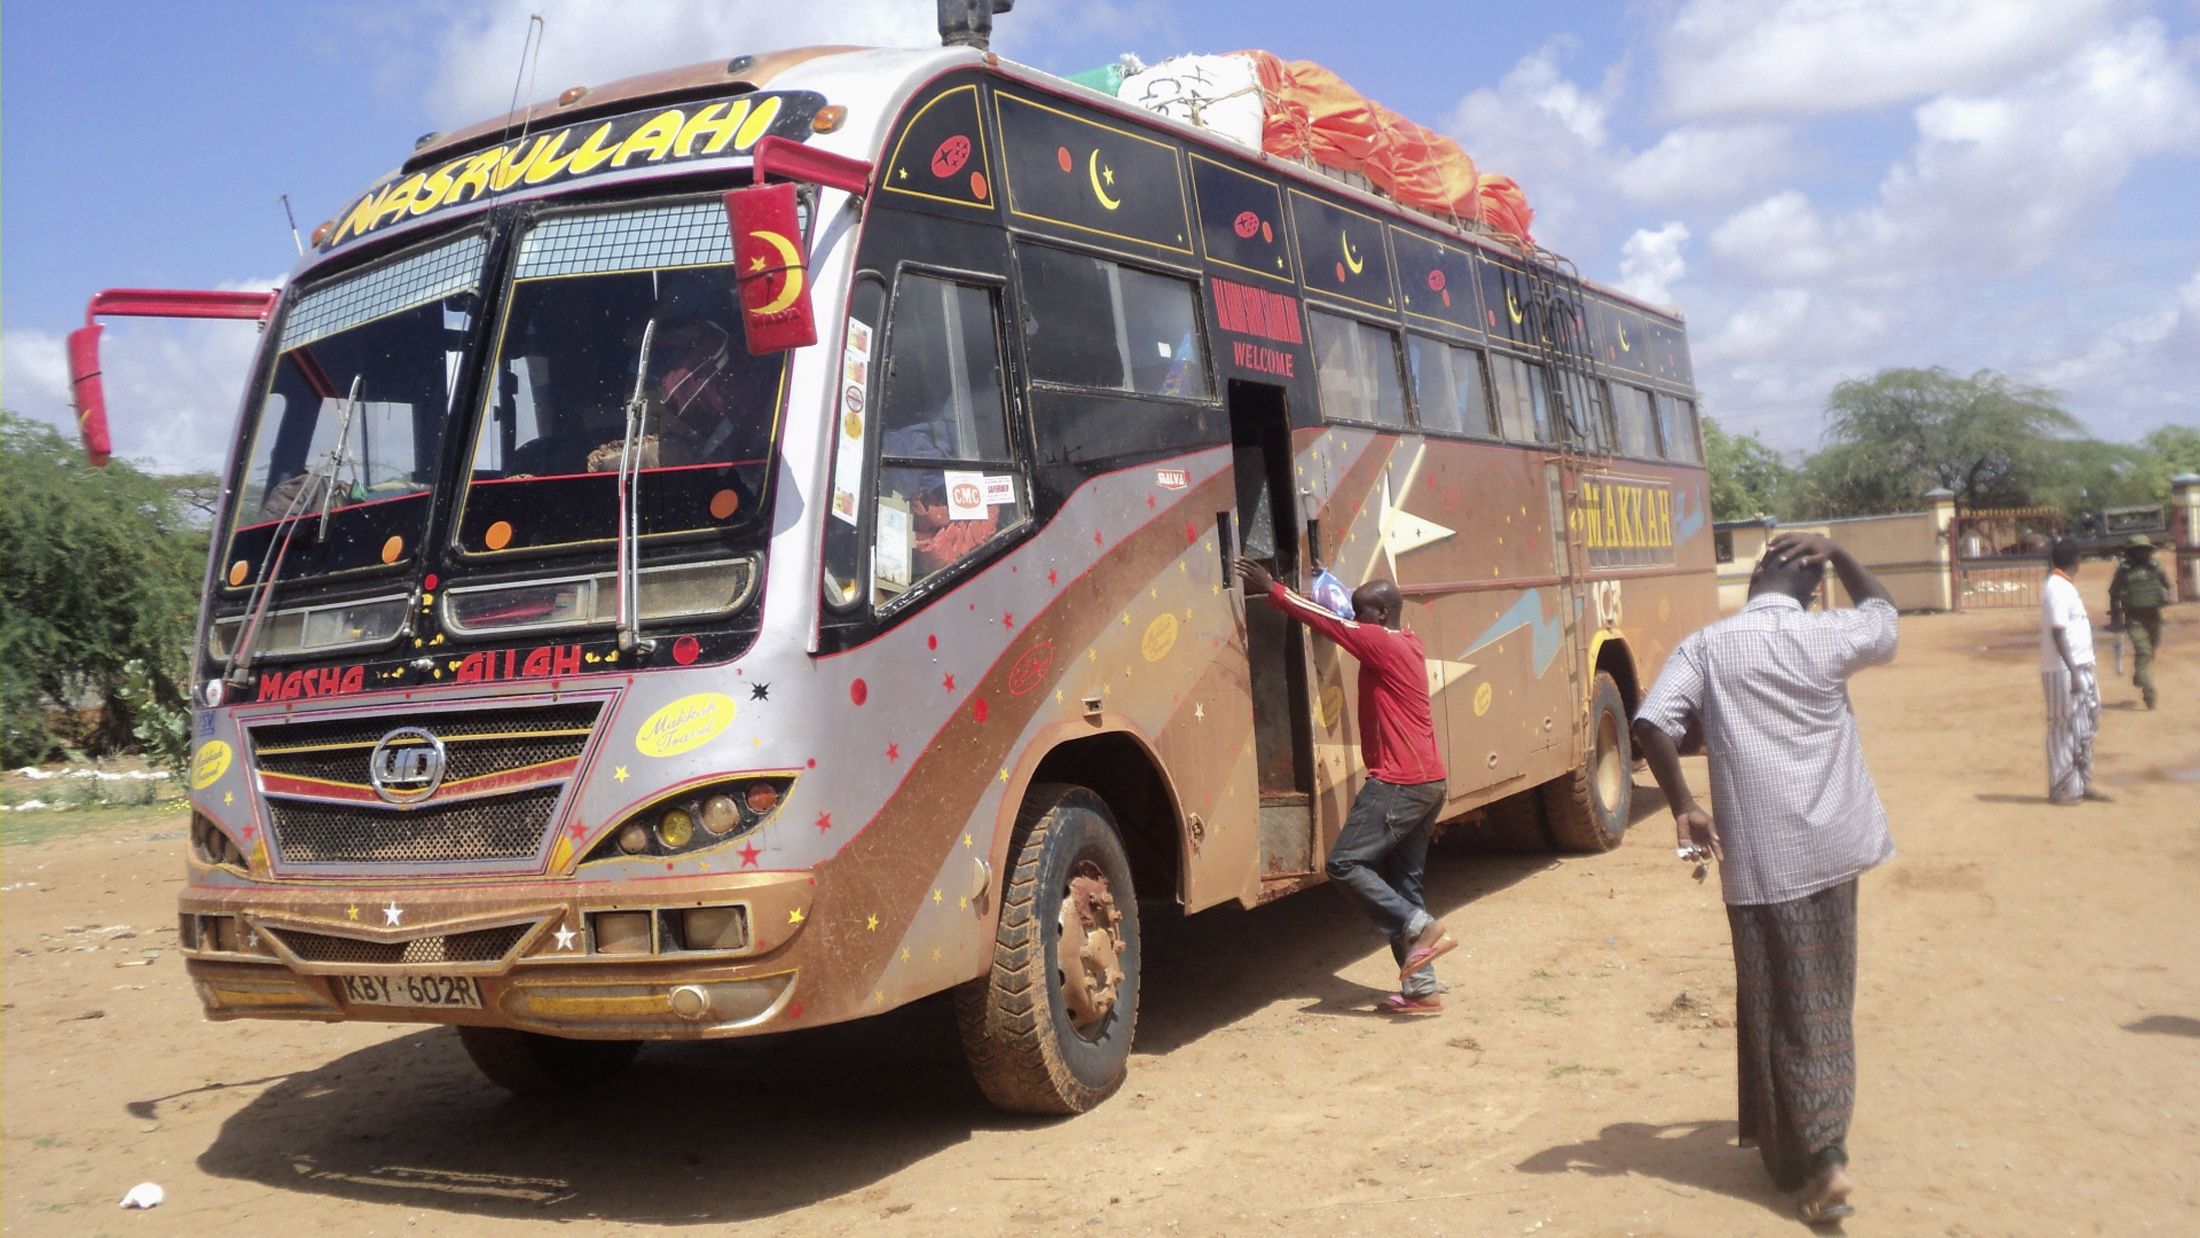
(1824, 187)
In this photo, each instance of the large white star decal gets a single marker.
(565, 937)
(393, 913)
(1399, 529)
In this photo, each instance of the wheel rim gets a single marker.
(1090, 954)
(1611, 773)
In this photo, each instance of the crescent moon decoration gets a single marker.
(1512, 307)
(1351, 260)
(1624, 346)
(791, 259)
(1093, 170)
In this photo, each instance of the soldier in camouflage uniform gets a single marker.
(2136, 596)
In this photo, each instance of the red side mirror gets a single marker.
(770, 268)
(86, 392)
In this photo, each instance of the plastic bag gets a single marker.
(1330, 594)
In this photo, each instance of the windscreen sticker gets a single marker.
(1000, 491)
(965, 494)
(855, 374)
(890, 558)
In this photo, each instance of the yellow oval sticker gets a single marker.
(1482, 696)
(684, 725)
(209, 764)
(1160, 637)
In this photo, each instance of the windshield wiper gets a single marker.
(237, 669)
(338, 456)
(630, 537)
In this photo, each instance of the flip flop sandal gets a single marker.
(1400, 1003)
(1824, 1211)
(1422, 956)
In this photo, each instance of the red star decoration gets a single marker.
(748, 855)
(893, 752)
(1053, 577)
(251, 832)
(577, 830)
(824, 822)
(1191, 531)
(1149, 502)
(1096, 538)
(948, 683)
(1008, 619)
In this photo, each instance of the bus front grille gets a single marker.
(475, 946)
(502, 827)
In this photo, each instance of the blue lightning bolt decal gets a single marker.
(1688, 516)
(1525, 613)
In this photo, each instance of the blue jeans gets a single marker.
(1378, 859)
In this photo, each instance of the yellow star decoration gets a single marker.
(905, 954)
(1092, 655)
(1107, 174)
(351, 912)
(1126, 618)
(756, 263)
(870, 925)
(229, 797)
(1004, 775)
(968, 841)
(878, 997)
(1057, 696)
(936, 896)
(618, 773)
(794, 916)
(962, 903)
(935, 954)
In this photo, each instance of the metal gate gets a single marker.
(2000, 555)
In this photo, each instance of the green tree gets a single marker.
(99, 569)
(1747, 478)
(1904, 431)
(2166, 452)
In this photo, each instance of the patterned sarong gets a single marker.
(2073, 719)
(1795, 989)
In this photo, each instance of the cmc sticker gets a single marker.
(1160, 637)
(209, 764)
(684, 725)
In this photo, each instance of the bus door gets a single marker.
(1268, 528)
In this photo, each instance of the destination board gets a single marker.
(1096, 179)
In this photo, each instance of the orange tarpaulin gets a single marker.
(1311, 113)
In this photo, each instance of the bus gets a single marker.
(748, 547)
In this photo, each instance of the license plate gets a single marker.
(434, 992)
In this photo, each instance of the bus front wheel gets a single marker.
(1048, 1028)
(1587, 810)
(532, 1064)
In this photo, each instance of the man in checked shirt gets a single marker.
(1799, 819)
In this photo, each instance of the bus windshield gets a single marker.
(587, 288)
(355, 409)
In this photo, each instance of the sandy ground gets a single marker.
(2028, 1022)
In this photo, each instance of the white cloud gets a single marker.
(587, 42)
(1997, 182)
(1698, 164)
(1652, 262)
(1748, 58)
(1548, 133)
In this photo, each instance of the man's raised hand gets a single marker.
(1255, 576)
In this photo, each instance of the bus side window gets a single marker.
(1448, 387)
(1638, 429)
(947, 479)
(1677, 427)
(1523, 404)
(1089, 322)
(1356, 364)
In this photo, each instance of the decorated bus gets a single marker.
(747, 547)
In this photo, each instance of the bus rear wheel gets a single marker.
(1587, 810)
(532, 1064)
(1048, 1028)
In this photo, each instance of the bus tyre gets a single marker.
(532, 1064)
(1588, 808)
(1048, 1028)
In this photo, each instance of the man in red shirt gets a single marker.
(1379, 855)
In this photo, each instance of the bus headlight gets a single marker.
(724, 811)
